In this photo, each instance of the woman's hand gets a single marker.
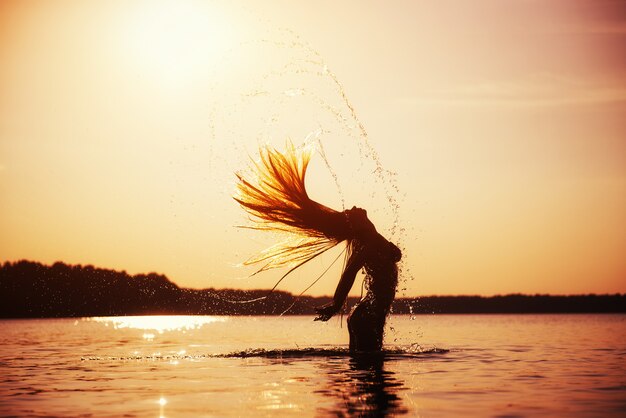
(324, 313)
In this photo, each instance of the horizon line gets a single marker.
(269, 291)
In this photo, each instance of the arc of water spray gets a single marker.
(364, 145)
(316, 138)
(379, 168)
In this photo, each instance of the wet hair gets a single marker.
(276, 198)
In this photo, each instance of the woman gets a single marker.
(278, 201)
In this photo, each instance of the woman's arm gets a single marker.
(355, 262)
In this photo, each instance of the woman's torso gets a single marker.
(380, 266)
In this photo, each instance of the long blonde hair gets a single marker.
(277, 200)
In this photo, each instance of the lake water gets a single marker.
(435, 366)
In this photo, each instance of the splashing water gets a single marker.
(295, 95)
(393, 353)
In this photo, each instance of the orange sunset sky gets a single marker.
(502, 125)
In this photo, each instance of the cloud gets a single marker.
(598, 17)
(615, 29)
(535, 91)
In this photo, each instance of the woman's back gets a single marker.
(380, 266)
(366, 323)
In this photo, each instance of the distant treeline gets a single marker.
(33, 290)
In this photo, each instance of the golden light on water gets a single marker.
(158, 323)
(162, 402)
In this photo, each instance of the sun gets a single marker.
(175, 42)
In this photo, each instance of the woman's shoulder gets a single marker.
(394, 251)
(385, 248)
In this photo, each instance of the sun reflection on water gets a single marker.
(158, 323)
(162, 402)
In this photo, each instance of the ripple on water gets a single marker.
(396, 353)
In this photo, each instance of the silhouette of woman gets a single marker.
(278, 201)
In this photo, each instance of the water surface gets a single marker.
(434, 366)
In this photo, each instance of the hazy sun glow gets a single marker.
(122, 122)
(173, 41)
